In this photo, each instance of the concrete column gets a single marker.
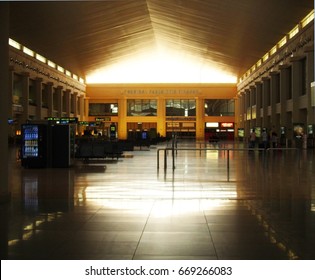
(252, 91)
(258, 103)
(242, 109)
(296, 87)
(247, 119)
(50, 99)
(81, 103)
(86, 108)
(25, 97)
(274, 91)
(161, 112)
(59, 101)
(10, 93)
(122, 118)
(310, 79)
(200, 119)
(4, 104)
(238, 112)
(265, 101)
(247, 98)
(39, 98)
(68, 102)
(284, 88)
(78, 107)
(243, 106)
(74, 105)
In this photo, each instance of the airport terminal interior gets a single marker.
(157, 130)
(261, 208)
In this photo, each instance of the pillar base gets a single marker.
(5, 198)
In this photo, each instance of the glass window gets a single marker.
(219, 107)
(137, 107)
(192, 108)
(181, 107)
(141, 107)
(103, 109)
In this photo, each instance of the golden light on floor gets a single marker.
(161, 66)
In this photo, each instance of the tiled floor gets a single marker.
(263, 208)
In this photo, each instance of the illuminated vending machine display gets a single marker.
(112, 131)
(33, 150)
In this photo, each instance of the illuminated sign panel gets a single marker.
(227, 125)
(212, 124)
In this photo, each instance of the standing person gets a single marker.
(264, 137)
(274, 139)
(252, 139)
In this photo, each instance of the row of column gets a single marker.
(74, 102)
(277, 100)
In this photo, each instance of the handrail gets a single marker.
(214, 149)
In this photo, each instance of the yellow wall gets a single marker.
(166, 91)
(119, 93)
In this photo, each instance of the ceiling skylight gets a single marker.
(160, 67)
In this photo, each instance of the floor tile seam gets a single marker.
(144, 227)
(275, 232)
(211, 238)
(85, 222)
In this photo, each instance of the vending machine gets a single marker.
(62, 145)
(112, 132)
(47, 145)
(34, 145)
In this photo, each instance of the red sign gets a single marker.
(227, 124)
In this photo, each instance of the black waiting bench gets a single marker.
(99, 150)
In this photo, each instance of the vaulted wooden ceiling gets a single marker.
(86, 35)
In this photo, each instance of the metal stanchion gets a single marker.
(173, 149)
(228, 165)
(165, 160)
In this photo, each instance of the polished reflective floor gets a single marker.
(202, 204)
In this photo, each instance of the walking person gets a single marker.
(264, 138)
(252, 139)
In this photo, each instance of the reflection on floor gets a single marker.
(261, 207)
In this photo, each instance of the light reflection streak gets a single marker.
(179, 192)
(30, 229)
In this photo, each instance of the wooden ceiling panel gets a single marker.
(86, 35)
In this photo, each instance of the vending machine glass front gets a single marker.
(30, 141)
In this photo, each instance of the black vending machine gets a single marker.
(62, 145)
(47, 145)
(34, 145)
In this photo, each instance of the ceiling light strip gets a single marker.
(304, 22)
(42, 59)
